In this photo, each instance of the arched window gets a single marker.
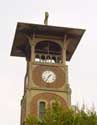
(50, 50)
(41, 109)
(48, 47)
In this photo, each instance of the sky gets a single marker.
(82, 66)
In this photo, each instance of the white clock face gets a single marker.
(48, 76)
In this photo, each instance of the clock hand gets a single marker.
(48, 77)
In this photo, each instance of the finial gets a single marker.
(46, 18)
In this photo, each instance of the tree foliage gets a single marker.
(57, 115)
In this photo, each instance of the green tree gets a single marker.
(32, 120)
(54, 115)
(57, 115)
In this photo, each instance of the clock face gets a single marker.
(48, 76)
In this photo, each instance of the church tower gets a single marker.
(46, 49)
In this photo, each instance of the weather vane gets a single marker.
(46, 18)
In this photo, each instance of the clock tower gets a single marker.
(46, 49)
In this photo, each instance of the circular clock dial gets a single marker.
(48, 76)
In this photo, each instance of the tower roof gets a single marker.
(21, 42)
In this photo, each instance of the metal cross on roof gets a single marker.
(46, 18)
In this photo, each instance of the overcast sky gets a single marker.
(82, 66)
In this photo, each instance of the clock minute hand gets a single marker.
(48, 77)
